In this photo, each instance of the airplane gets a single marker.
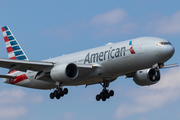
(140, 58)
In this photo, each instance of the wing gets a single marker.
(24, 65)
(170, 66)
(128, 75)
(7, 76)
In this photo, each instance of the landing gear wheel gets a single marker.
(98, 97)
(104, 98)
(111, 93)
(52, 95)
(105, 91)
(65, 91)
(101, 95)
(55, 93)
(108, 96)
(58, 96)
(62, 94)
(105, 94)
(59, 92)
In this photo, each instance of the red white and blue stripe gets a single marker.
(14, 50)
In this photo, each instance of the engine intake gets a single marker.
(64, 72)
(147, 77)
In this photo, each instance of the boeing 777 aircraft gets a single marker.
(139, 58)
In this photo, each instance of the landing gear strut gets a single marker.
(105, 94)
(59, 92)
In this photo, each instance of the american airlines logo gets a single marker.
(132, 50)
(105, 55)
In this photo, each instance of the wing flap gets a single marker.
(24, 65)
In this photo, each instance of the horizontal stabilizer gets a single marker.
(7, 76)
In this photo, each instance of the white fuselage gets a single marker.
(111, 61)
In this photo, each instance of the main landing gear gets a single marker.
(105, 94)
(58, 93)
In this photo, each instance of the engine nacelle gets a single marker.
(64, 72)
(147, 77)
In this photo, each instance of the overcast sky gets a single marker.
(50, 28)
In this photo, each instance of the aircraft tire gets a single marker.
(105, 93)
(101, 95)
(55, 93)
(52, 95)
(58, 96)
(108, 96)
(98, 97)
(62, 94)
(65, 91)
(111, 93)
(59, 90)
(104, 98)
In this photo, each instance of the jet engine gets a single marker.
(147, 77)
(64, 72)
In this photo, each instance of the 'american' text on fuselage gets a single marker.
(108, 54)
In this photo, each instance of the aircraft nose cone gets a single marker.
(170, 50)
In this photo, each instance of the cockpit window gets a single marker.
(163, 43)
